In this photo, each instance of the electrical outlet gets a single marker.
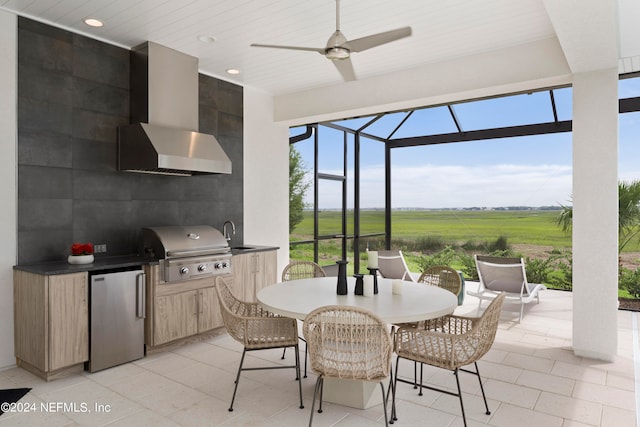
(98, 249)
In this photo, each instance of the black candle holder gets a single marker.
(374, 273)
(341, 288)
(359, 284)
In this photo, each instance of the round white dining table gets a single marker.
(418, 301)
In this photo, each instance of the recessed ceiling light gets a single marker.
(233, 71)
(92, 22)
(206, 39)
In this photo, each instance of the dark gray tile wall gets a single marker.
(73, 93)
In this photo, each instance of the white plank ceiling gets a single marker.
(441, 30)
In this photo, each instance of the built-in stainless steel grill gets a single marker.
(187, 252)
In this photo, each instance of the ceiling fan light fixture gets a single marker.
(337, 52)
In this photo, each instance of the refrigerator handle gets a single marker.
(141, 311)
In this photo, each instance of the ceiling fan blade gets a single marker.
(311, 49)
(345, 67)
(364, 43)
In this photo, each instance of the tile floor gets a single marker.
(531, 377)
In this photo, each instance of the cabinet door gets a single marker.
(175, 316)
(252, 272)
(266, 274)
(243, 276)
(209, 316)
(68, 320)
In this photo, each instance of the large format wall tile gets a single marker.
(73, 93)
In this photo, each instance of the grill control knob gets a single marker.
(184, 270)
(202, 267)
(218, 266)
(225, 264)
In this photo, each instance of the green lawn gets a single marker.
(457, 227)
(450, 227)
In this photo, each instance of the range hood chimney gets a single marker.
(163, 137)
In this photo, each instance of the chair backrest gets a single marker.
(486, 326)
(502, 274)
(391, 265)
(442, 276)
(233, 310)
(348, 342)
(302, 270)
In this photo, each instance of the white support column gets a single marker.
(595, 213)
(8, 191)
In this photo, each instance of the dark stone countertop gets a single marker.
(105, 263)
(100, 264)
(244, 249)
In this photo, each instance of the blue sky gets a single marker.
(525, 171)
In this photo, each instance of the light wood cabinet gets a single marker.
(51, 316)
(179, 310)
(175, 316)
(209, 316)
(252, 272)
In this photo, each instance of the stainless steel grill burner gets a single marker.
(187, 252)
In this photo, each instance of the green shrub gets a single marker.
(468, 267)
(630, 281)
(500, 244)
(447, 256)
(538, 269)
(561, 277)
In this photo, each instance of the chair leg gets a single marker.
(421, 371)
(482, 389)
(415, 375)
(235, 389)
(384, 405)
(321, 395)
(464, 418)
(390, 393)
(521, 311)
(283, 352)
(297, 350)
(315, 393)
(305, 359)
(394, 414)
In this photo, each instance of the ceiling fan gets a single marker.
(339, 49)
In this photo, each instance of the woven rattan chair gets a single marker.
(348, 343)
(449, 342)
(301, 270)
(257, 329)
(391, 265)
(508, 275)
(443, 277)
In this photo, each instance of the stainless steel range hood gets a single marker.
(163, 137)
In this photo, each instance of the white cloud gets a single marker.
(448, 186)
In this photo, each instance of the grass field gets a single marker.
(456, 227)
(529, 231)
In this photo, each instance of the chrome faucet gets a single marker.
(224, 230)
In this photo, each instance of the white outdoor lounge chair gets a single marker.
(391, 265)
(508, 275)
